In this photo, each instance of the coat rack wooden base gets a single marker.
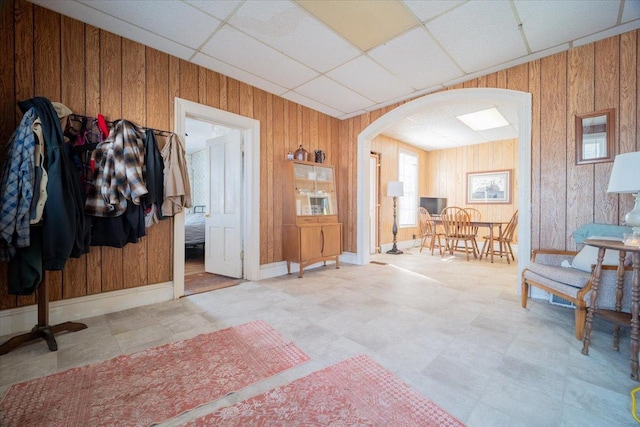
(42, 329)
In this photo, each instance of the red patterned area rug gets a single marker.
(356, 392)
(155, 384)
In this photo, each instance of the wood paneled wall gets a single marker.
(595, 76)
(447, 174)
(388, 149)
(93, 71)
(442, 173)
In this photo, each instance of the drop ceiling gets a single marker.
(332, 57)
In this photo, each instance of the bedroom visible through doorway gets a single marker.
(196, 278)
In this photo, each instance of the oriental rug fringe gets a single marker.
(153, 385)
(356, 392)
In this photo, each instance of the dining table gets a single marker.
(485, 224)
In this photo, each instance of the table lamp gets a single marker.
(395, 189)
(625, 178)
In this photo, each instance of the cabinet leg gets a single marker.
(337, 262)
(301, 272)
(288, 267)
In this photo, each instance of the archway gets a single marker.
(521, 100)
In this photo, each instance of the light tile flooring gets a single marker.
(452, 329)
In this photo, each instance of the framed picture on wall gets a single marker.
(489, 187)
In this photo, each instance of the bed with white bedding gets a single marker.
(194, 224)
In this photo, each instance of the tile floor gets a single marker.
(452, 329)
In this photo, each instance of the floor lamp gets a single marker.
(395, 189)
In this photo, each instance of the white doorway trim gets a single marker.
(522, 101)
(250, 129)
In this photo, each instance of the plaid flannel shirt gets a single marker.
(118, 176)
(16, 188)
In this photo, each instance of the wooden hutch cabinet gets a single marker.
(311, 229)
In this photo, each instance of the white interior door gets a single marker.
(223, 232)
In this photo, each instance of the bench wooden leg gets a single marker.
(581, 317)
(525, 293)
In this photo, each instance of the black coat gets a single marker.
(64, 230)
(154, 174)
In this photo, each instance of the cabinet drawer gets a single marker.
(324, 219)
(307, 220)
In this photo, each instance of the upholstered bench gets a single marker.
(569, 274)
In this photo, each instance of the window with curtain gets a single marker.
(408, 174)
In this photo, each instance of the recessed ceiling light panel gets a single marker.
(483, 120)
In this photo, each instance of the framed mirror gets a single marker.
(594, 136)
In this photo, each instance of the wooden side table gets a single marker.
(616, 316)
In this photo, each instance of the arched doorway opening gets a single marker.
(521, 101)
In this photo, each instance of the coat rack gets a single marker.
(42, 329)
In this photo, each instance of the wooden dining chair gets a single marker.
(504, 240)
(475, 215)
(429, 231)
(457, 228)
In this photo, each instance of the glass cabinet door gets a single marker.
(315, 190)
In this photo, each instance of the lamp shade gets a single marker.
(625, 175)
(395, 189)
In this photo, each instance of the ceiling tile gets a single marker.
(124, 29)
(219, 9)
(165, 20)
(428, 139)
(364, 23)
(631, 11)
(308, 102)
(547, 23)
(451, 129)
(290, 29)
(490, 34)
(439, 143)
(368, 78)
(236, 73)
(403, 127)
(426, 10)
(235, 48)
(459, 108)
(330, 93)
(417, 59)
(499, 134)
(431, 115)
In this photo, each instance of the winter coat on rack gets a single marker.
(65, 233)
(177, 191)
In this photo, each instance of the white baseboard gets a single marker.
(22, 319)
(275, 269)
(267, 271)
(405, 244)
(349, 258)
